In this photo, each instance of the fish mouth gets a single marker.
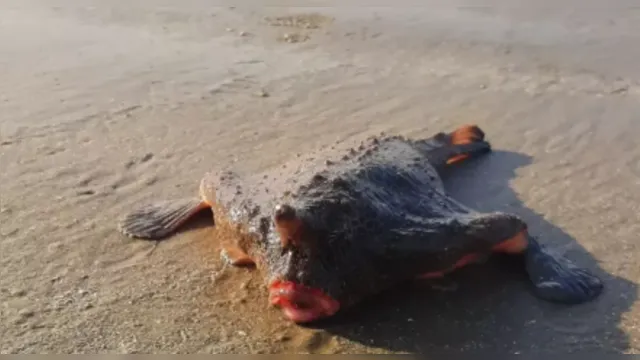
(301, 304)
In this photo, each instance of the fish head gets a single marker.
(317, 264)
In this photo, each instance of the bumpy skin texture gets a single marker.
(326, 233)
(377, 216)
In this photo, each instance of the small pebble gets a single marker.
(25, 314)
(18, 293)
(242, 333)
(147, 157)
(620, 90)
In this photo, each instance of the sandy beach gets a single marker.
(107, 105)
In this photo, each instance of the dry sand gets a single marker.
(108, 104)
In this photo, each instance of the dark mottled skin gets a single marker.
(376, 215)
(361, 222)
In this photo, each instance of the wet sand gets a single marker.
(106, 105)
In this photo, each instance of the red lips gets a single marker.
(301, 304)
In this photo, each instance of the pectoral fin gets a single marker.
(161, 219)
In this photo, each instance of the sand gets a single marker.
(105, 105)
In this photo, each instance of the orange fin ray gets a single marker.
(236, 256)
(467, 140)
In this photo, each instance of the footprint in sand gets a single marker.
(136, 173)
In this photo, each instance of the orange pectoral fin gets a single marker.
(466, 134)
(463, 261)
(515, 245)
(456, 158)
(236, 256)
